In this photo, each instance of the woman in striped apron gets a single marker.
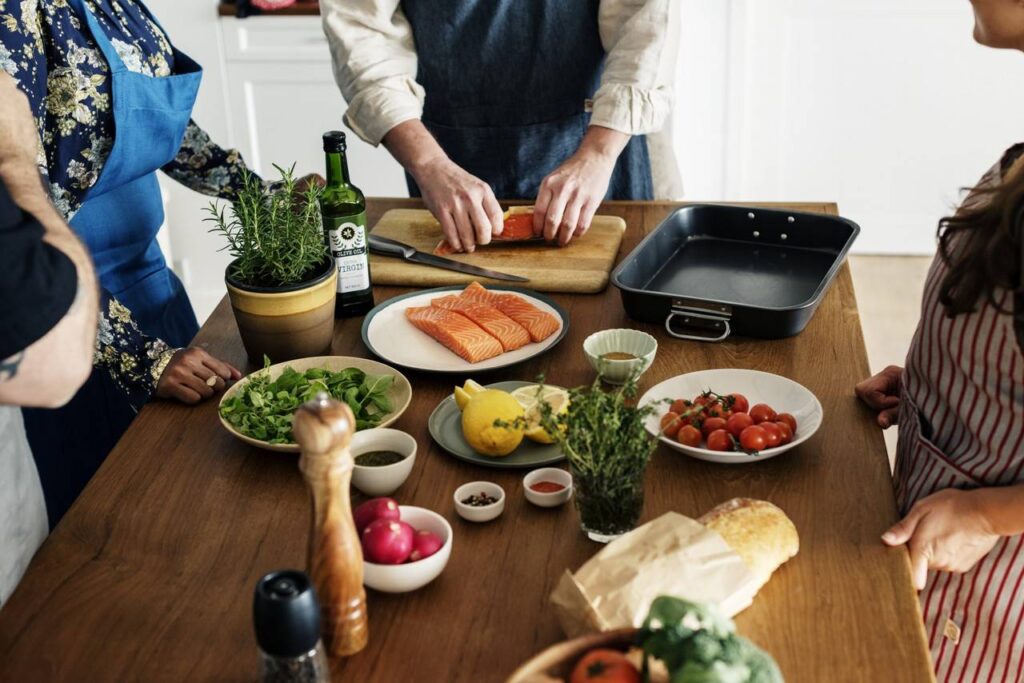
(959, 403)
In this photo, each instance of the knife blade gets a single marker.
(389, 247)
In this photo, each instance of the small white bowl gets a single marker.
(635, 342)
(382, 481)
(548, 500)
(479, 514)
(402, 578)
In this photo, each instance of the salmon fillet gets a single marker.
(460, 334)
(518, 226)
(511, 334)
(540, 324)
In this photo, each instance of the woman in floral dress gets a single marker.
(110, 95)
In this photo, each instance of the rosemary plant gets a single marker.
(274, 235)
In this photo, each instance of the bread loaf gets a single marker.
(760, 533)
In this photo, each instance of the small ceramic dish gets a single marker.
(553, 498)
(484, 513)
(385, 480)
(402, 578)
(634, 342)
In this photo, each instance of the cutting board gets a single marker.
(582, 267)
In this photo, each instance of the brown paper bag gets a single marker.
(670, 555)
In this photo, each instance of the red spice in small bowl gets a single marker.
(547, 487)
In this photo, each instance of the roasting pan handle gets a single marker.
(687, 315)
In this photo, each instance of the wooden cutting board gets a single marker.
(583, 267)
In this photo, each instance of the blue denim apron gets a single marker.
(506, 84)
(118, 222)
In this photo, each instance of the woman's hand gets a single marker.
(569, 195)
(193, 375)
(465, 205)
(947, 531)
(882, 393)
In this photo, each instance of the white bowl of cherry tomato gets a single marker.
(732, 416)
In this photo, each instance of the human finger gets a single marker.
(586, 217)
(182, 393)
(555, 211)
(887, 418)
(222, 369)
(494, 213)
(450, 231)
(570, 220)
(540, 207)
(482, 226)
(464, 225)
(919, 560)
(197, 383)
(903, 530)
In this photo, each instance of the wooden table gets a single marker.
(150, 575)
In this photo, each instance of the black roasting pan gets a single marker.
(710, 271)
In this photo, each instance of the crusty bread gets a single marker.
(760, 533)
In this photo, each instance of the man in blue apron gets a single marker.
(478, 99)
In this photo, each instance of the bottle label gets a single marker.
(348, 246)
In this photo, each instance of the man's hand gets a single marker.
(569, 195)
(882, 393)
(193, 375)
(947, 531)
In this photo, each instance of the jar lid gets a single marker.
(286, 614)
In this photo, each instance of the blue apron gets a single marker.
(118, 222)
(506, 84)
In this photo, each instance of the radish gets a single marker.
(424, 544)
(374, 509)
(386, 541)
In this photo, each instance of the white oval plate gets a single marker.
(782, 394)
(391, 337)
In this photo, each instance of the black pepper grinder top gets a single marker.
(286, 614)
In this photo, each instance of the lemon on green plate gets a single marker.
(531, 397)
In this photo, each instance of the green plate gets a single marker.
(445, 426)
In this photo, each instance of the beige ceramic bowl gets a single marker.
(639, 344)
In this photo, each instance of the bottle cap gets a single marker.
(334, 141)
(286, 614)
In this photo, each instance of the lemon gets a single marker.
(465, 392)
(530, 397)
(482, 409)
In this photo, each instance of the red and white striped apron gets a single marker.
(961, 425)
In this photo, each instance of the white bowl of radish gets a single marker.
(411, 547)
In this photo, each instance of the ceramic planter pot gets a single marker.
(285, 323)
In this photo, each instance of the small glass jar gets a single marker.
(608, 506)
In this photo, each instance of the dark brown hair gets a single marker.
(982, 246)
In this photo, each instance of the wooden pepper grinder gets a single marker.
(323, 429)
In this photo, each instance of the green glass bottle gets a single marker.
(343, 208)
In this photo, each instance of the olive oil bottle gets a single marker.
(343, 208)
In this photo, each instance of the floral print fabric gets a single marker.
(49, 50)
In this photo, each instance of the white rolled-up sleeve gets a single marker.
(635, 95)
(374, 64)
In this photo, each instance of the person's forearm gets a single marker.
(603, 142)
(413, 146)
(1003, 508)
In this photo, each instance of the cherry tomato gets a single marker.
(719, 440)
(774, 437)
(680, 406)
(787, 433)
(701, 401)
(604, 666)
(689, 436)
(762, 412)
(670, 424)
(716, 409)
(788, 419)
(712, 424)
(754, 438)
(740, 404)
(737, 422)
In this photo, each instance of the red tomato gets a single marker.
(670, 424)
(712, 424)
(716, 409)
(754, 438)
(788, 419)
(604, 666)
(774, 437)
(740, 404)
(689, 436)
(762, 412)
(737, 422)
(680, 406)
(787, 433)
(719, 440)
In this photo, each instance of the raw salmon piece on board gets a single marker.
(511, 334)
(518, 227)
(460, 334)
(540, 324)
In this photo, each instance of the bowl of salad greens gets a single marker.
(259, 408)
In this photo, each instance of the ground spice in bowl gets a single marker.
(547, 487)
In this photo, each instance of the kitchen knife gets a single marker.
(390, 247)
